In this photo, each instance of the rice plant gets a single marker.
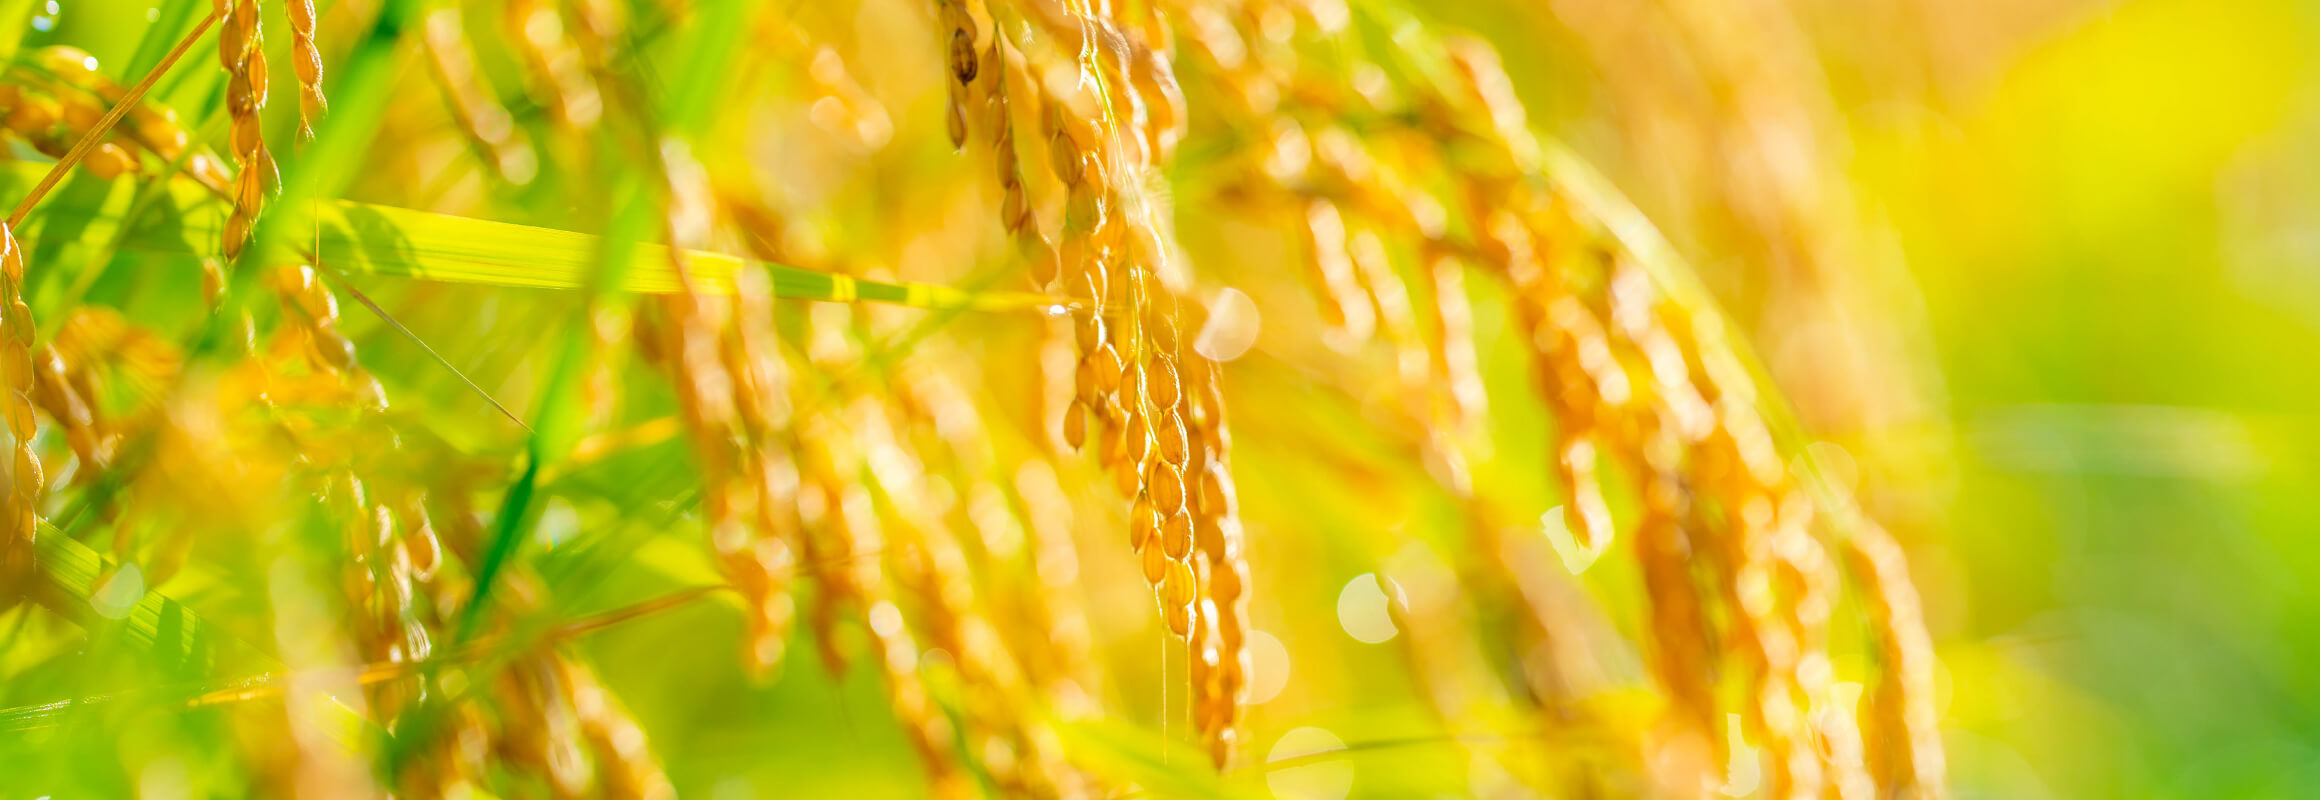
(631, 399)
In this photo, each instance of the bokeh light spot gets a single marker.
(120, 593)
(1231, 328)
(1268, 666)
(1744, 772)
(1557, 527)
(1361, 608)
(1330, 779)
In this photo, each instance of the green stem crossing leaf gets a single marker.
(366, 239)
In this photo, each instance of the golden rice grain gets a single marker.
(555, 67)
(22, 503)
(55, 392)
(1452, 338)
(625, 767)
(70, 89)
(308, 60)
(1904, 749)
(761, 398)
(1071, 679)
(489, 129)
(1682, 659)
(1633, 384)
(31, 115)
(1373, 271)
(1344, 306)
(538, 730)
(959, 29)
(840, 104)
(242, 52)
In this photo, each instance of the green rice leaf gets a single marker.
(1160, 766)
(366, 239)
(77, 583)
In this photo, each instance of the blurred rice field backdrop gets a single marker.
(1160, 398)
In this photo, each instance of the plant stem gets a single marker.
(104, 125)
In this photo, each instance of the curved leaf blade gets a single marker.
(361, 238)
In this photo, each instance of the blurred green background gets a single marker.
(2063, 310)
(2114, 236)
(2100, 229)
